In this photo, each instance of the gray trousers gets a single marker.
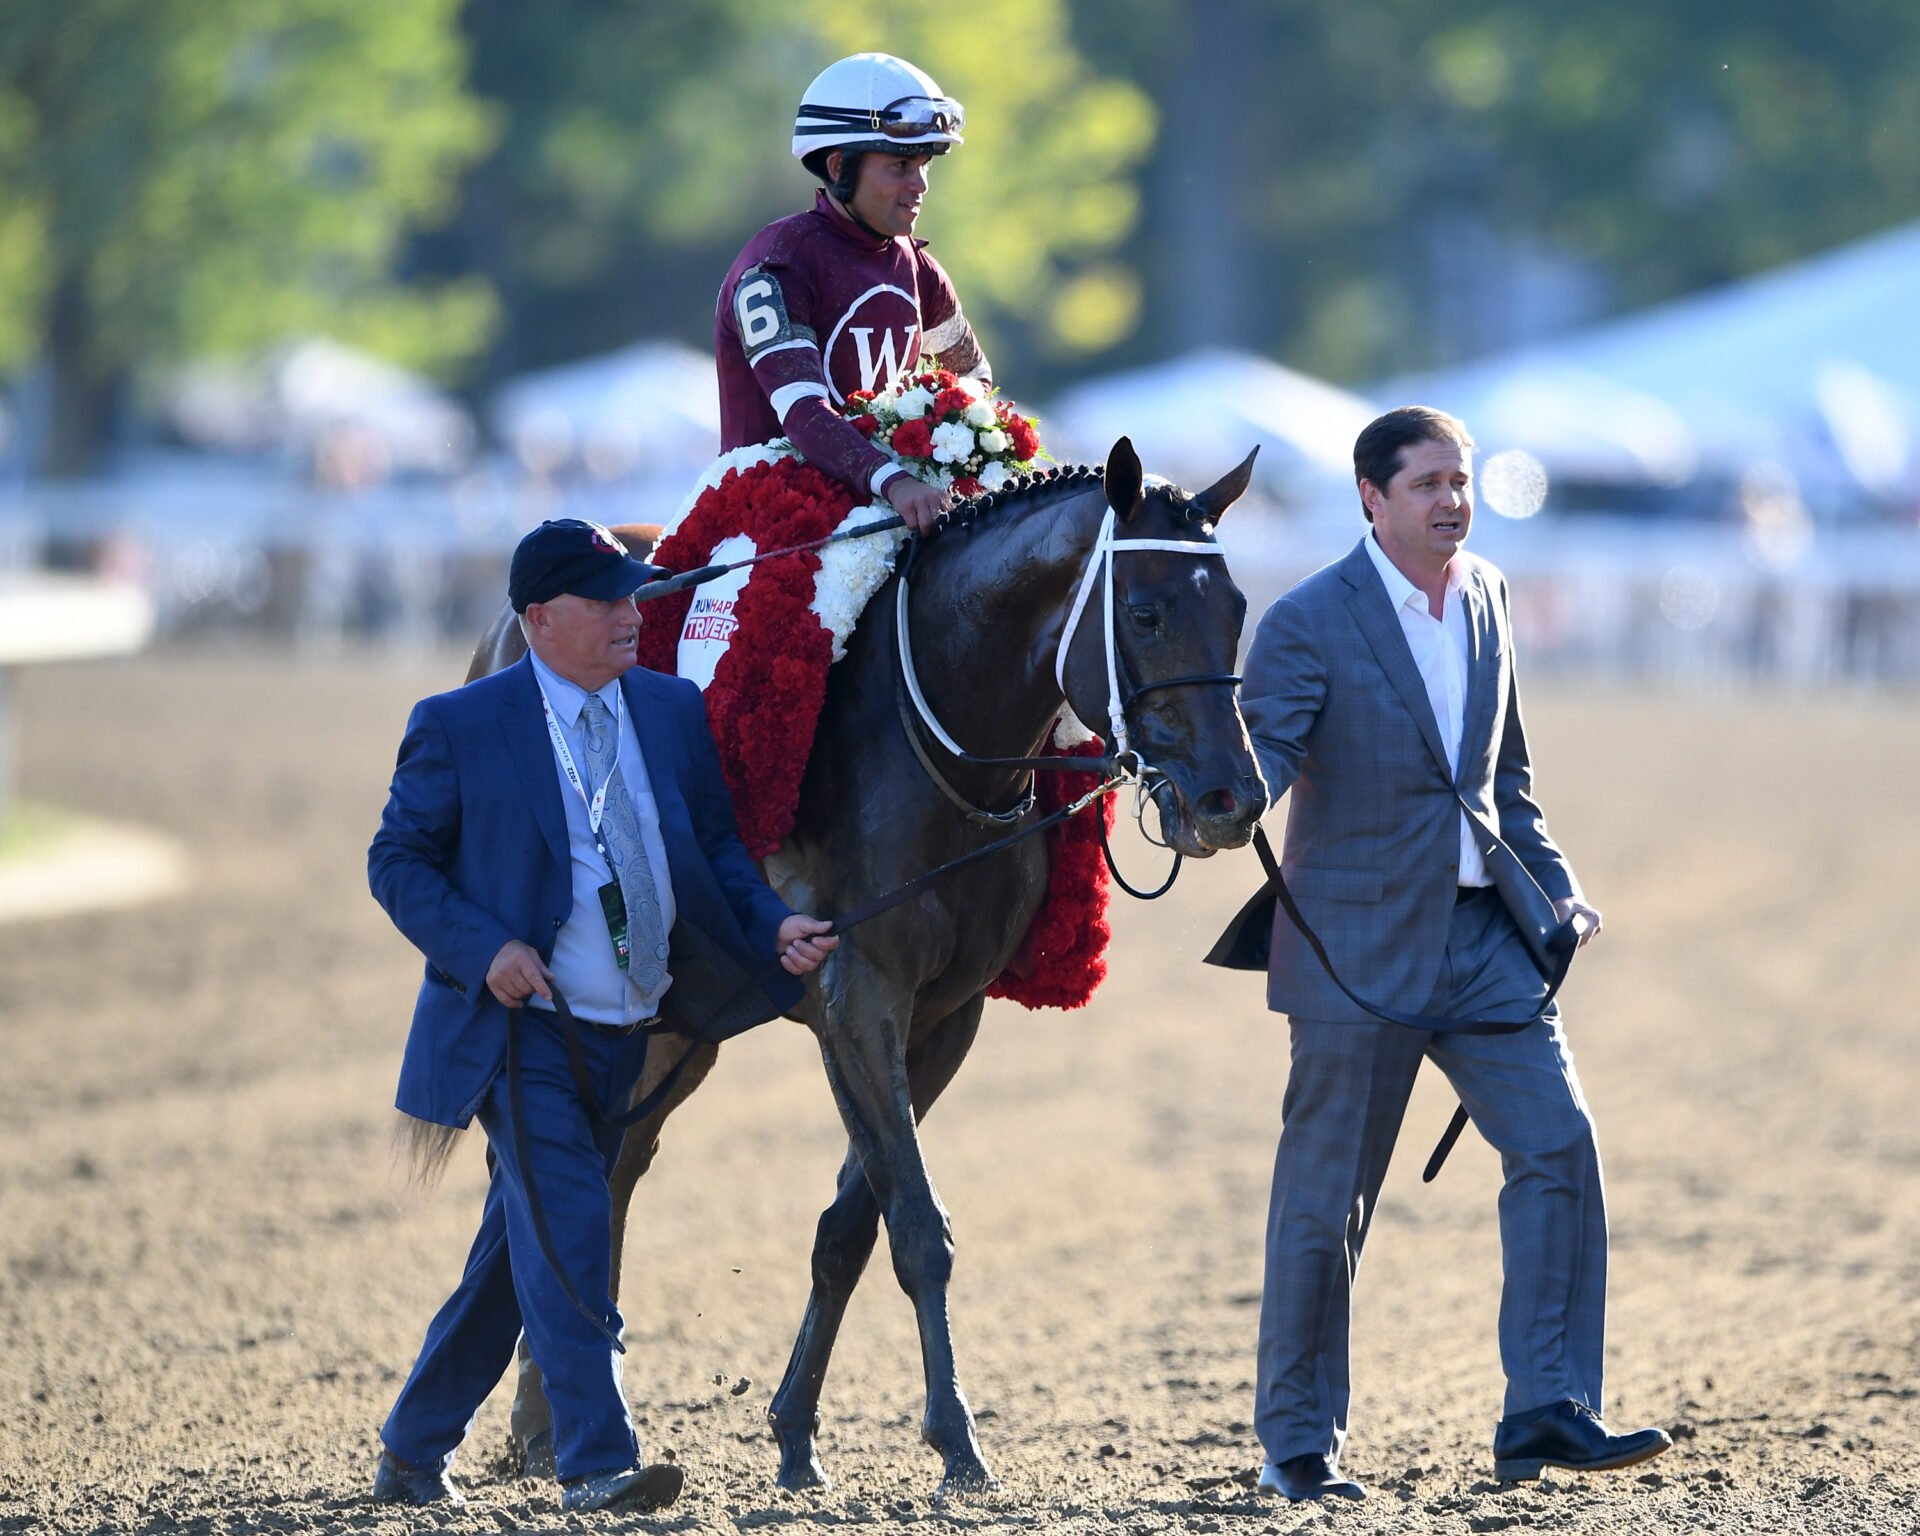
(1346, 1095)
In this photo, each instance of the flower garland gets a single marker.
(849, 573)
(765, 697)
(1063, 958)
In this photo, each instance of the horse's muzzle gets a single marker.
(1220, 818)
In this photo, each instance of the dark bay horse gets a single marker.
(896, 1007)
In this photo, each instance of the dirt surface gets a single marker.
(213, 1283)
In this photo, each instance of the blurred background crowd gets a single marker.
(309, 308)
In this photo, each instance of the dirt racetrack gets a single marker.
(212, 1285)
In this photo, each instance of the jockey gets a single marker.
(843, 298)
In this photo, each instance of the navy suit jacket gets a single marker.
(472, 851)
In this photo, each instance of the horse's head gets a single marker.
(1176, 635)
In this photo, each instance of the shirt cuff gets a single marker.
(882, 475)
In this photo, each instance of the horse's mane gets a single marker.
(1021, 493)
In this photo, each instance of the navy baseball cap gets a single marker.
(570, 555)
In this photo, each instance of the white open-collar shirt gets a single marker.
(1439, 649)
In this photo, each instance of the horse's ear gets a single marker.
(1125, 479)
(1211, 504)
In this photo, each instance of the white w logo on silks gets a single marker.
(621, 843)
(870, 365)
(890, 359)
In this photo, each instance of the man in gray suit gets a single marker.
(1381, 691)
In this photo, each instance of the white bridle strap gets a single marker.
(927, 716)
(1100, 562)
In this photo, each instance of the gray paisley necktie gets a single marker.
(626, 851)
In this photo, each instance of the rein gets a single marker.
(582, 1079)
(670, 585)
(1561, 945)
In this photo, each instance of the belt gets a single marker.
(609, 1031)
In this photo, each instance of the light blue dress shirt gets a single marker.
(583, 959)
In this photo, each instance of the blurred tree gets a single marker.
(646, 142)
(1366, 186)
(185, 176)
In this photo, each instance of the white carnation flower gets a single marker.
(913, 404)
(952, 442)
(980, 414)
(995, 441)
(851, 572)
(994, 476)
(942, 479)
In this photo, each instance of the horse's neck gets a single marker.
(987, 617)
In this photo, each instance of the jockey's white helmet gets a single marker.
(876, 101)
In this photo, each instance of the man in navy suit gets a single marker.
(560, 825)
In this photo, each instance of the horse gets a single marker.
(896, 1007)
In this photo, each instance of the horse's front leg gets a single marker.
(862, 1042)
(842, 1245)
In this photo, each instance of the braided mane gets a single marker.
(1019, 492)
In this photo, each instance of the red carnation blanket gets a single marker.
(765, 691)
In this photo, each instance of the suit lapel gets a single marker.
(1381, 626)
(531, 750)
(1483, 669)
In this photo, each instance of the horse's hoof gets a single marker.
(801, 1471)
(964, 1478)
(536, 1458)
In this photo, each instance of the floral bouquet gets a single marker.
(947, 430)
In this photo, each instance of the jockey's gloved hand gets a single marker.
(922, 506)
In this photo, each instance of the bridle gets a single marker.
(1122, 764)
(1101, 562)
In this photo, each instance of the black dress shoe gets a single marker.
(637, 1488)
(1307, 1477)
(1570, 1435)
(398, 1482)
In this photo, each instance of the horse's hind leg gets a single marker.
(531, 1421)
(842, 1245)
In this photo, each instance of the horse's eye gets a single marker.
(1146, 618)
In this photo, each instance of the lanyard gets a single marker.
(597, 805)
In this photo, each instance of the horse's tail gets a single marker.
(426, 1149)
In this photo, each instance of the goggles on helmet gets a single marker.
(911, 117)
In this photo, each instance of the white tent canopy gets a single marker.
(651, 409)
(1580, 424)
(1815, 366)
(1193, 418)
(358, 416)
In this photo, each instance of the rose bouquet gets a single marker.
(948, 431)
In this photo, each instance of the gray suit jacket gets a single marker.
(1338, 714)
